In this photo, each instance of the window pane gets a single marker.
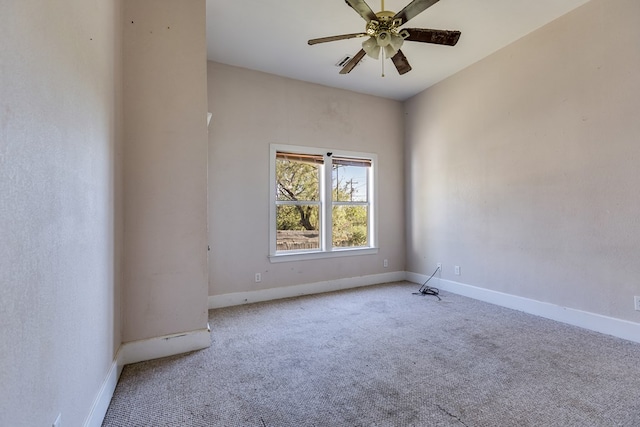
(350, 226)
(297, 227)
(349, 183)
(297, 180)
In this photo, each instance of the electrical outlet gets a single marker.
(636, 301)
(258, 278)
(456, 269)
(439, 265)
(56, 423)
(385, 263)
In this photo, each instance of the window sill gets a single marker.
(304, 256)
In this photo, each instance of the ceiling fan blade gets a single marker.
(413, 9)
(425, 35)
(334, 38)
(401, 63)
(362, 8)
(353, 62)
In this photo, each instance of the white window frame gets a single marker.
(326, 249)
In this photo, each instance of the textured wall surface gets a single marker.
(59, 93)
(165, 168)
(252, 110)
(523, 168)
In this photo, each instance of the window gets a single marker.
(322, 203)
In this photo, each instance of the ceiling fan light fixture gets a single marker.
(396, 41)
(389, 51)
(371, 47)
(394, 45)
(384, 38)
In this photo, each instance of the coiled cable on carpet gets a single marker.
(428, 290)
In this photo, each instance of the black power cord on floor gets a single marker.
(428, 290)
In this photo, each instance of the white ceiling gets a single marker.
(271, 36)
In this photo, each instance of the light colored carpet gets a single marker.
(380, 356)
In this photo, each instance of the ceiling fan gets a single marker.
(383, 30)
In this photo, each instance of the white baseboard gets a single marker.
(168, 345)
(584, 319)
(238, 298)
(102, 400)
(138, 351)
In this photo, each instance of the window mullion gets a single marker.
(350, 203)
(372, 186)
(297, 202)
(327, 199)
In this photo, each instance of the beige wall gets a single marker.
(59, 133)
(165, 168)
(102, 193)
(523, 168)
(250, 111)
